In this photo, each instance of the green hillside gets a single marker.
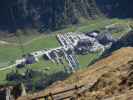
(9, 53)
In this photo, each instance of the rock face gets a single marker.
(45, 14)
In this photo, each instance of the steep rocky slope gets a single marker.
(108, 79)
(43, 14)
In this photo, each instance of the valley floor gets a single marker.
(11, 51)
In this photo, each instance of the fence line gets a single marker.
(61, 95)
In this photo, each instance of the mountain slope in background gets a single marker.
(116, 8)
(45, 14)
(55, 14)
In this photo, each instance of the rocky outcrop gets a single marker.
(124, 41)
